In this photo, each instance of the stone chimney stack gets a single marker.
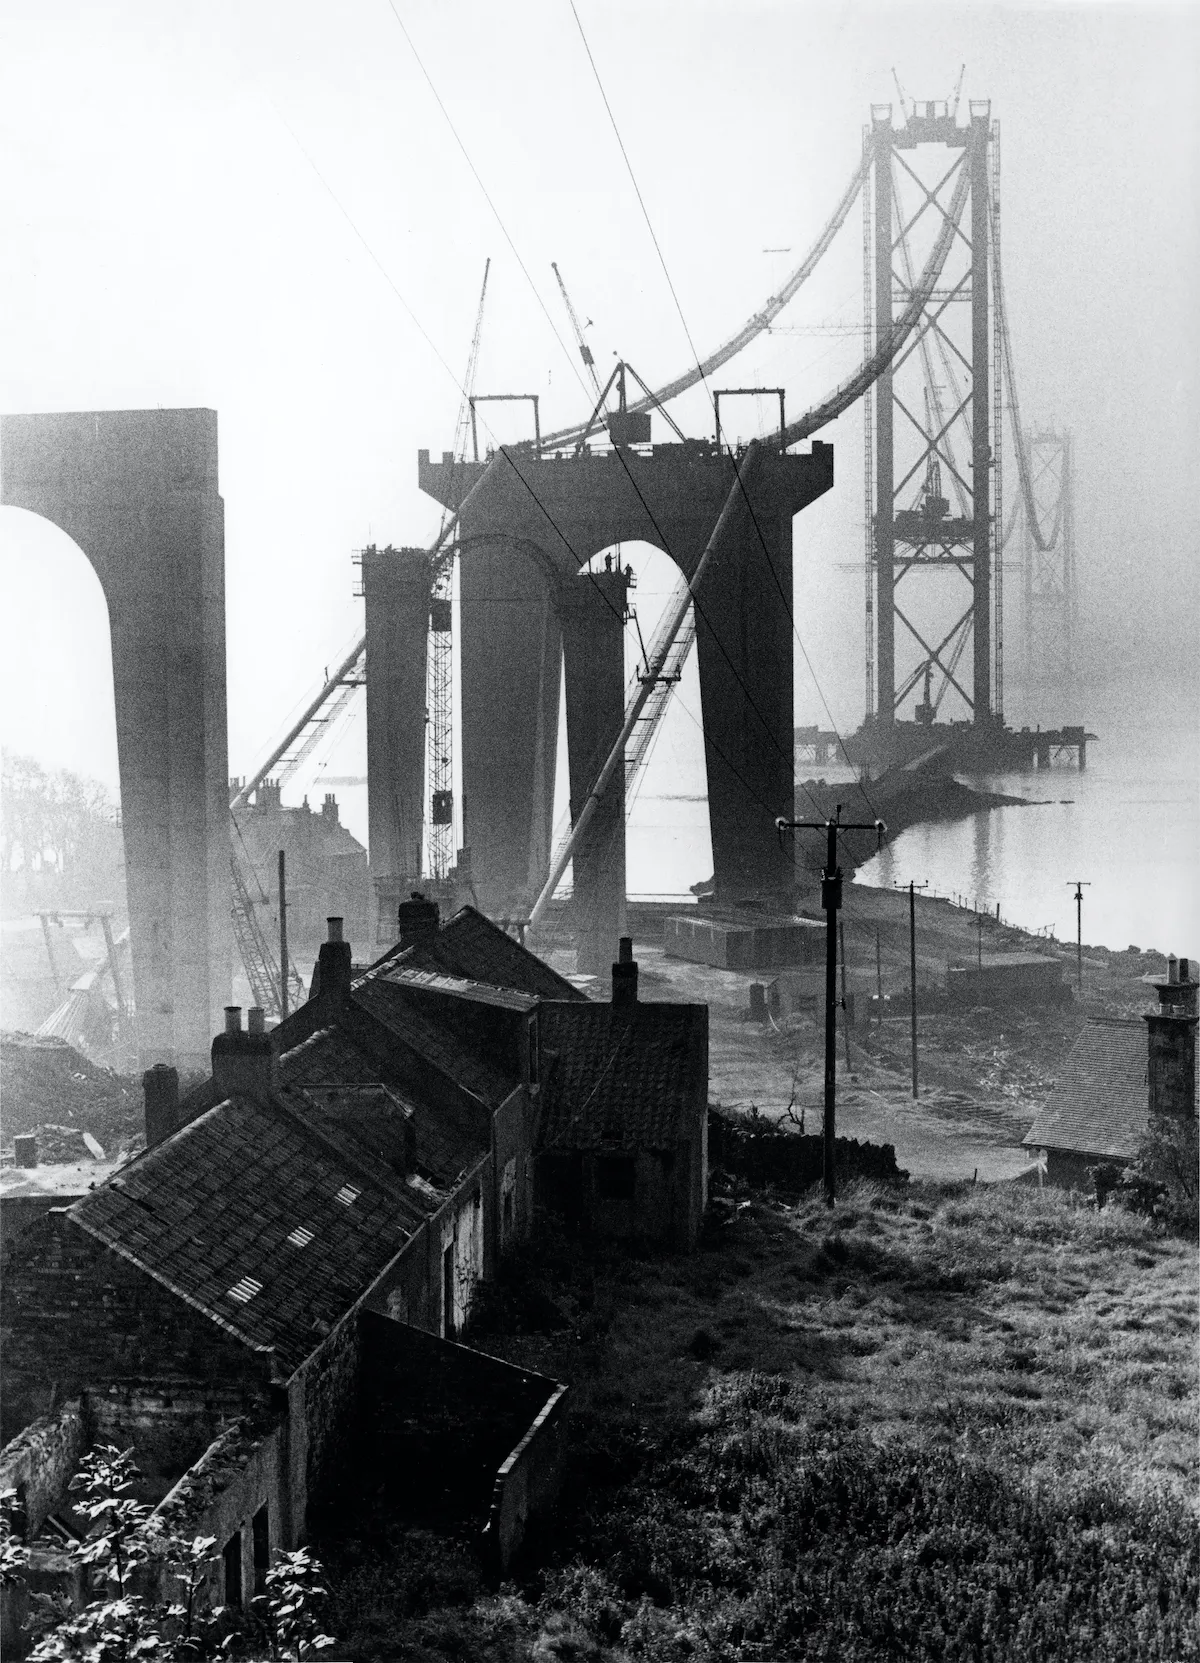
(244, 1063)
(418, 920)
(1171, 1037)
(333, 972)
(625, 975)
(160, 1087)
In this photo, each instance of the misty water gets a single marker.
(1129, 826)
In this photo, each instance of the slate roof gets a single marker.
(335, 1082)
(472, 947)
(629, 1078)
(257, 1223)
(403, 974)
(1100, 1105)
(385, 1001)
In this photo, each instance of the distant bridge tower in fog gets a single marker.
(933, 475)
(1048, 561)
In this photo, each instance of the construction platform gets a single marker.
(972, 747)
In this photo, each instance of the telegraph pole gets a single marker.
(831, 901)
(912, 967)
(283, 950)
(1080, 886)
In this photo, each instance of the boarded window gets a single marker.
(231, 1558)
(615, 1177)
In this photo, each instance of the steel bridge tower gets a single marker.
(1048, 561)
(931, 476)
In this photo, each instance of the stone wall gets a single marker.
(73, 1314)
(528, 1482)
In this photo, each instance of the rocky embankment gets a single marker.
(902, 797)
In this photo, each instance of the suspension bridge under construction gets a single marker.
(516, 563)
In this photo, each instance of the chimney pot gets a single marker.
(233, 1019)
(160, 1089)
(1185, 970)
(625, 976)
(335, 928)
(1172, 970)
(417, 919)
(256, 1020)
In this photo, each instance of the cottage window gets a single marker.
(615, 1177)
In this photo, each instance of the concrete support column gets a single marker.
(744, 640)
(511, 667)
(592, 609)
(396, 586)
(137, 491)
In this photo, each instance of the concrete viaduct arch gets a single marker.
(519, 613)
(137, 492)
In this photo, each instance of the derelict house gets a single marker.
(294, 1255)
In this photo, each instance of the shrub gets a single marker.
(1165, 1177)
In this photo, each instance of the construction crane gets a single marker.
(585, 351)
(439, 840)
(257, 955)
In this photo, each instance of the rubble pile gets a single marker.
(48, 1087)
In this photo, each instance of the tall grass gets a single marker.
(939, 1422)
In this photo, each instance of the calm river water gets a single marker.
(1129, 827)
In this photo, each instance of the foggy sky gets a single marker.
(177, 193)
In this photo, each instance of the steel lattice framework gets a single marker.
(1048, 559)
(932, 482)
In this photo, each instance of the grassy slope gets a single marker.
(941, 1422)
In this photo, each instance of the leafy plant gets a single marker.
(14, 1555)
(287, 1613)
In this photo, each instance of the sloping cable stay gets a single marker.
(754, 326)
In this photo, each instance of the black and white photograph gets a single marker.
(599, 831)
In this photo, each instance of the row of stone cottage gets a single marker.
(265, 1303)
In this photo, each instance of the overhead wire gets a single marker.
(790, 754)
(745, 496)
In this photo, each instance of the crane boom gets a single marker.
(585, 351)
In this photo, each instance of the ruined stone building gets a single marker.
(327, 871)
(266, 1304)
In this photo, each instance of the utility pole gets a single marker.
(878, 980)
(845, 1008)
(1080, 886)
(831, 901)
(912, 967)
(283, 950)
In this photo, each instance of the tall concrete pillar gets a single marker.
(744, 640)
(592, 610)
(396, 589)
(511, 664)
(137, 491)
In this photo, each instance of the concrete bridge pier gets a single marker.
(396, 592)
(137, 492)
(745, 645)
(592, 609)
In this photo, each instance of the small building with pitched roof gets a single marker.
(1121, 1075)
